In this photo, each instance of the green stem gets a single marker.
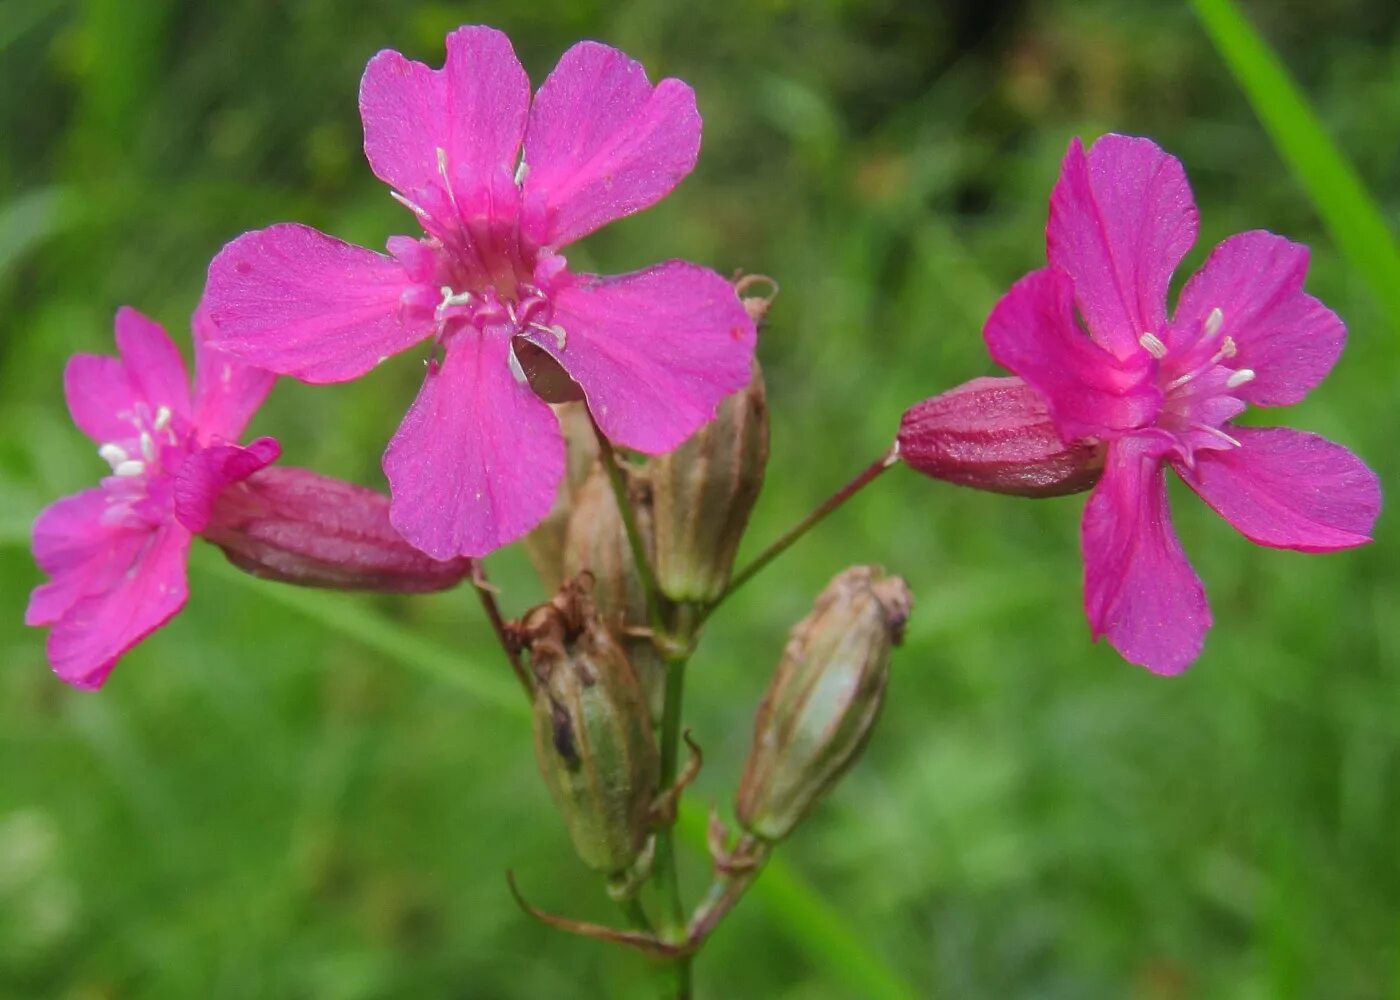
(785, 541)
(498, 625)
(664, 870)
(616, 477)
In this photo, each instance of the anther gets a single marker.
(1214, 322)
(113, 454)
(1227, 350)
(130, 467)
(162, 418)
(1239, 378)
(148, 447)
(521, 172)
(451, 298)
(1153, 345)
(561, 337)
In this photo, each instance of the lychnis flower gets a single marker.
(476, 462)
(117, 553)
(1164, 391)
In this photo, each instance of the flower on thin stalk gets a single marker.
(476, 462)
(117, 553)
(1164, 391)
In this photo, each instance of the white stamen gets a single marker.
(162, 418)
(1214, 321)
(451, 298)
(130, 467)
(148, 447)
(442, 165)
(521, 172)
(513, 363)
(561, 337)
(1217, 432)
(412, 206)
(1239, 378)
(1153, 345)
(113, 454)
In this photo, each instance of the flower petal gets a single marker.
(1286, 337)
(476, 462)
(209, 471)
(1089, 392)
(93, 634)
(604, 143)
(1121, 219)
(226, 392)
(292, 300)
(153, 362)
(1289, 489)
(655, 350)
(83, 548)
(98, 389)
(473, 110)
(1139, 589)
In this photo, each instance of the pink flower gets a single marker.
(116, 554)
(1163, 391)
(476, 462)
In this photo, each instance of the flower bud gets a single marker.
(819, 710)
(593, 735)
(297, 526)
(996, 434)
(596, 543)
(703, 494)
(545, 544)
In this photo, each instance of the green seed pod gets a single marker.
(819, 710)
(545, 544)
(593, 735)
(703, 493)
(596, 543)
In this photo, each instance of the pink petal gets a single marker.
(604, 143)
(92, 635)
(153, 362)
(1121, 219)
(1288, 339)
(98, 389)
(1289, 489)
(83, 548)
(226, 392)
(292, 300)
(476, 462)
(1090, 393)
(473, 110)
(209, 471)
(1139, 590)
(655, 350)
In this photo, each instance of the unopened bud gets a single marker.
(545, 544)
(703, 494)
(819, 710)
(596, 543)
(593, 735)
(297, 526)
(996, 434)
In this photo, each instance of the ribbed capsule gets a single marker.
(703, 493)
(593, 734)
(996, 434)
(545, 544)
(820, 708)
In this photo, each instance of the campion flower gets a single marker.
(476, 462)
(1162, 391)
(117, 553)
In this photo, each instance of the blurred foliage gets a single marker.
(260, 805)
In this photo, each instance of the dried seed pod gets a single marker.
(703, 493)
(996, 434)
(820, 708)
(545, 544)
(593, 733)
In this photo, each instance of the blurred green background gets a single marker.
(261, 805)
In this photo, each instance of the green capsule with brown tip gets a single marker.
(821, 706)
(593, 735)
(703, 493)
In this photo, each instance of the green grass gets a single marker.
(264, 802)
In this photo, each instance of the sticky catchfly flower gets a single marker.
(1164, 391)
(476, 462)
(116, 554)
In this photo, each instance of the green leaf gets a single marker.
(1351, 215)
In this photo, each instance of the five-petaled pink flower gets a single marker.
(1164, 391)
(477, 460)
(117, 553)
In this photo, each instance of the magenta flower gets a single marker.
(1162, 391)
(476, 462)
(116, 554)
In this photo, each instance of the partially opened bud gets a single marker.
(593, 735)
(818, 713)
(545, 544)
(596, 543)
(996, 434)
(703, 493)
(297, 526)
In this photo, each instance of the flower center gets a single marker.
(141, 454)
